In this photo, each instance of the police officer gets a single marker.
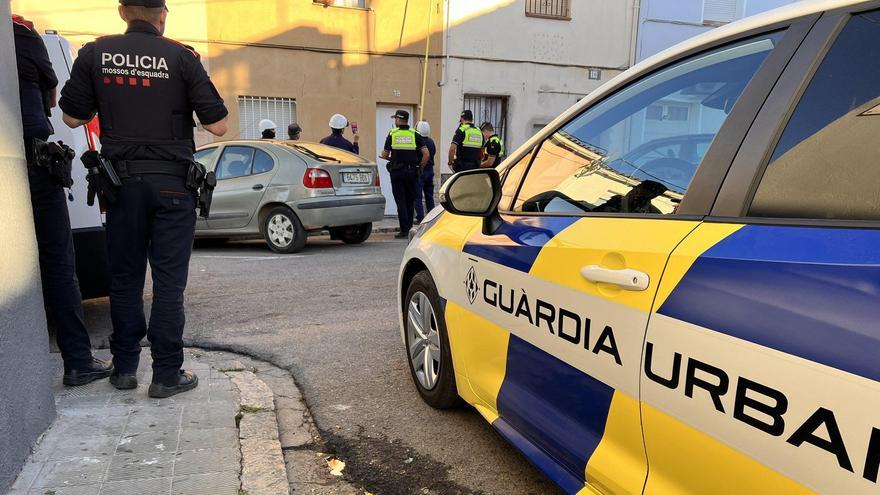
(267, 129)
(493, 153)
(425, 186)
(145, 88)
(408, 155)
(336, 139)
(37, 90)
(466, 150)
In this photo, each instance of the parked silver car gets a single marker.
(281, 190)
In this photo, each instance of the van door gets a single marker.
(571, 276)
(760, 370)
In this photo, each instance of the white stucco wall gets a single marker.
(664, 23)
(541, 65)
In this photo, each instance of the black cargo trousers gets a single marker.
(153, 219)
(58, 268)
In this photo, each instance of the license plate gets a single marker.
(357, 177)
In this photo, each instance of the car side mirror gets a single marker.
(474, 193)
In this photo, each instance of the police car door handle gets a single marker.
(626, 279)
(257, 187)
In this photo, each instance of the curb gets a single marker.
(262, 462)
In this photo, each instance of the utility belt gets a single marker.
(398, 166)
(56, 157)
(105, 178)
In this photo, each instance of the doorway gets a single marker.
(384, 124)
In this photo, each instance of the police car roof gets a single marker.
(797, 9)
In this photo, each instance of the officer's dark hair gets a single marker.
(487, 126)
(153, 15)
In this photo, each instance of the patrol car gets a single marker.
(665, 326)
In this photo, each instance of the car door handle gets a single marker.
(257, 187)
(626, 279)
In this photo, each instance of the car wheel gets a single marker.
(354, 234)
(427, 344)
(283, 231)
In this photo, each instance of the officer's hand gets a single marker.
(357, 137)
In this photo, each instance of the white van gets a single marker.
(87, 222)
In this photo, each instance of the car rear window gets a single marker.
(324, 153)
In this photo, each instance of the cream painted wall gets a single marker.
(598, 35)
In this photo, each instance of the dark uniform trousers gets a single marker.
(462, 166)
(152, 219)
(404, 184)
(425, 188)
(58, 268)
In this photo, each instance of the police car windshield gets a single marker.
(324, 153)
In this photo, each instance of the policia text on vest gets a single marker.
(145, 88)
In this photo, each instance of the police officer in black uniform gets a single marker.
(466, 150)
(144, 88)
(407, 154)
(37, 90)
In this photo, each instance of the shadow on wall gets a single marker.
(323, 81)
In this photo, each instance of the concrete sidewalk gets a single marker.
(107, 441)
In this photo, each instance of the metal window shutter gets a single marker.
(720, 10)
(253, 109)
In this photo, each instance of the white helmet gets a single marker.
(423, 128)
(338, 121)
(267, 124)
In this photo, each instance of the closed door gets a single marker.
(572, 274)
(384, 124)
(243, 173)
(761, 366)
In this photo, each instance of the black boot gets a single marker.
(95, 370)
(187, 380)
(123, 381)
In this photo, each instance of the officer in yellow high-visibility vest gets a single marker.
(407, 154)
(466, 150)
(493, 153)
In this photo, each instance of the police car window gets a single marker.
(512, 178)
(263, 162)
(235, 162)
(634, 152)
(206, 157)
(825, 165)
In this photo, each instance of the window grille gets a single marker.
(720, 11)
(551, 9)
(253, 109)
(492, 109)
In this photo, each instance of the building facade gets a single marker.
(519, 63)
(663, 23)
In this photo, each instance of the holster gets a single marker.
(202, 183)
(56, 157)
(104, 182)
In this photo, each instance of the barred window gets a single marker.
(253, 109)
(550, 9)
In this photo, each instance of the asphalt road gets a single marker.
(328, 315)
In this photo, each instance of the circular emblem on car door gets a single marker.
(472, 285)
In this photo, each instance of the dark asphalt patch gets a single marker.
(389, 467)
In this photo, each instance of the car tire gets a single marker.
(283, 231)
(354, 234)
(437, 385)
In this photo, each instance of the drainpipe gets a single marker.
(634, 35)
(445, 78)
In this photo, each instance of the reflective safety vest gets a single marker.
(496, 139)
(403, 139)
(473, 137)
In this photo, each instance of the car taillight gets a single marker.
(316, 178)
(93, 133)
(376, 182)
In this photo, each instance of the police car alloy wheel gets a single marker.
(283, 231)
(427, 345)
